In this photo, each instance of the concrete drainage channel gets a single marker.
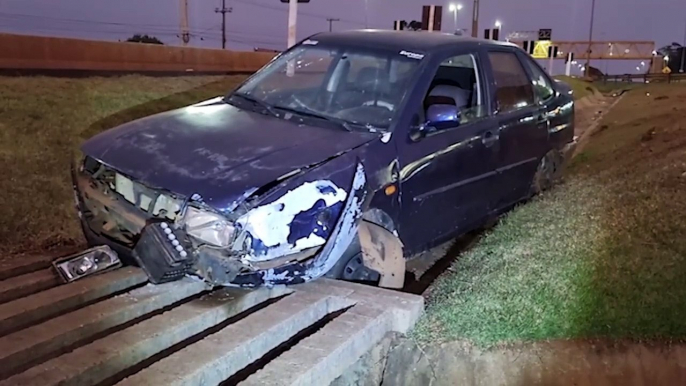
(117, 329)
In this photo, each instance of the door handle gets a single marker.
(489, 138)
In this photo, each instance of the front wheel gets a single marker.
(351, 267)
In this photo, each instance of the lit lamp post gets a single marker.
(498, 26)
(454, 8)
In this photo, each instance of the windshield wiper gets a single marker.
(311, 113)
(269, 108)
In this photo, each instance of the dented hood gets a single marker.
(216, 150)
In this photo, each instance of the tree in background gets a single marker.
(138, 38)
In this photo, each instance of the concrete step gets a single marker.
(116, 329)
(27, 284)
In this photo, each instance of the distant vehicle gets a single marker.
(343, 157)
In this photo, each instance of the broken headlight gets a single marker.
(94, 260)
(209, 227)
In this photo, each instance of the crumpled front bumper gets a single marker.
(108, 219)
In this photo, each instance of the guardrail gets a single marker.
(646, 78)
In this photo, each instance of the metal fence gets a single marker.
(646, 78)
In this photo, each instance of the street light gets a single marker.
(498, 24)
(454, 8)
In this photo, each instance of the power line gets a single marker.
(20, 15)
(29, 22)
(300, 13)
(36, 18)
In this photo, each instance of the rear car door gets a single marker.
(558, 108)
(522, 126)
(447, 175)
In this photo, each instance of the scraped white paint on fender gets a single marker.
(271, 223)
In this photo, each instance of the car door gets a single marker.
(557, 107)
(447, 175)
(522, 126)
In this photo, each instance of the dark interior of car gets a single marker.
(453, 84)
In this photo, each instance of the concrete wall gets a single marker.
(38, 52)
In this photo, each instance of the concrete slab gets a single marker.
(25, 311)
(11, 266)
(407, 308)
(34, 343)
(106, 357)
(320, 358)
(79, 334)
(27, 284)
(221, 355)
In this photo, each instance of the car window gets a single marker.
(457, 81)
(544, 90)
(513, 86)
(360, 86)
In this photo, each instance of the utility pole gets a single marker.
(475, 19)
(331, 20)
(223, 10)
(590, 41)
(292, 22)
(185, 33)
(683, 51)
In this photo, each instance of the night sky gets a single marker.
(263, 23)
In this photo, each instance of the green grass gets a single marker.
(42, 119)
(603, 255)
(580, 87)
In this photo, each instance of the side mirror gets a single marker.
(439, 116)
(442, 114)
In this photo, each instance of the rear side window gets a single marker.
(513, 86)
(544, 90)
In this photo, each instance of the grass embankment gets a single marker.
(580, 87)
(603, 255)
(42, 119)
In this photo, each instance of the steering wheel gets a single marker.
(387, 105)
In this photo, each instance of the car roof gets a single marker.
(422, 41)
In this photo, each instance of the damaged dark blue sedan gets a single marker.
(343, 157)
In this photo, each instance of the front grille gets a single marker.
(153, 202)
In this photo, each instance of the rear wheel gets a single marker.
(548, 173)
